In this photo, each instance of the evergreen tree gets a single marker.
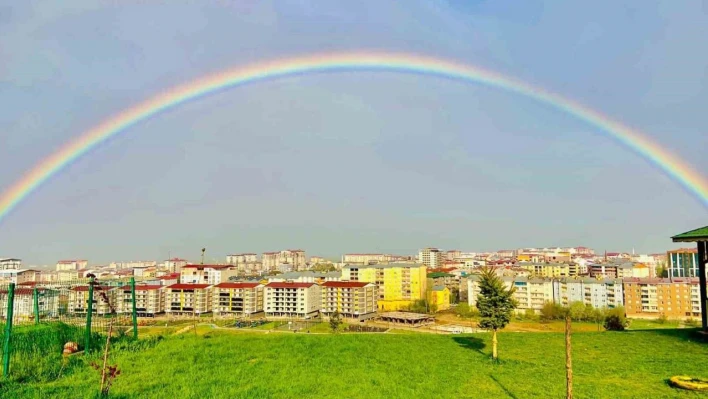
(496, 304)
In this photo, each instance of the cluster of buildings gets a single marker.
(281, 284)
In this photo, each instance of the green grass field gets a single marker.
(632, 364)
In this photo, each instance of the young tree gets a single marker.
(495, 303)
(335, 320)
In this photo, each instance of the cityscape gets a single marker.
(335, 199)
(289, 284)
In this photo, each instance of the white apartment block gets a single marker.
(293, 257)
(530, 293)
(47, 302)
(10, 263)
(599, 294)
(238, 299)
(366, 259)
(207, 274)
(133, 264)
(351, 299)
(79, 299)
(241, 258)
(300, 300)
(174, 265)
(431, 257)
(67, 265)
(149, 300)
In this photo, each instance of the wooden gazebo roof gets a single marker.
(692, 236)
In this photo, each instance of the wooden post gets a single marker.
(568, 360)
(702, 252)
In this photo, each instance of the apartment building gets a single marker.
(547, 270)
(676, 298)
(612, 270)
(47, 301)
(18, 276)
(531, 293)
(188, 299)
(238, 299)
(439, 297)
(174, 265)
(65, 265)
(366, 259)
(606, 293)
(207, 274)
(352, 299)
(399, 284)
(149, 300)
(285, 299)
(293, 257)
(236, 259)
(79, 299)
(431, 257)
(683, 262)
(10, 263)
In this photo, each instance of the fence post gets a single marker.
(8, 330)
(135, 313)
(35, 294)
(87, 344)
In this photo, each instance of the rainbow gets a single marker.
(670, 164)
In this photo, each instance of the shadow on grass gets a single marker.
(470, 343)
(504, 388)
(690, 334)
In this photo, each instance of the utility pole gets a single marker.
(203, 250)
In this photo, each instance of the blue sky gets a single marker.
(356, 161)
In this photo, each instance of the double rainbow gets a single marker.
(670, 164)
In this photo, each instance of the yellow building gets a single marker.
(546, 269)
(439, 296)
(399, 284)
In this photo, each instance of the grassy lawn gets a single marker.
(219, 365)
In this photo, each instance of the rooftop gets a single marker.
(700, 234)
(187, 286)
(290, 285)
(345, 284)
(237, 285)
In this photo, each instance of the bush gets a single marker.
(662, 319)
(530, 314)
(615, 320)
(691, 322)
(552, 311)
(466, 311)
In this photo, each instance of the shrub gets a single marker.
(465, 310)
(551, 311)
(662, 319)
(615, 320)
(691, 322)
(530, 314)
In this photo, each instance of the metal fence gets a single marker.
(87, 304)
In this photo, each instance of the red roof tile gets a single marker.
(187, 286)
(345, 284)
(237, 285)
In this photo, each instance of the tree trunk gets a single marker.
(568, 360)
(494, 345)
